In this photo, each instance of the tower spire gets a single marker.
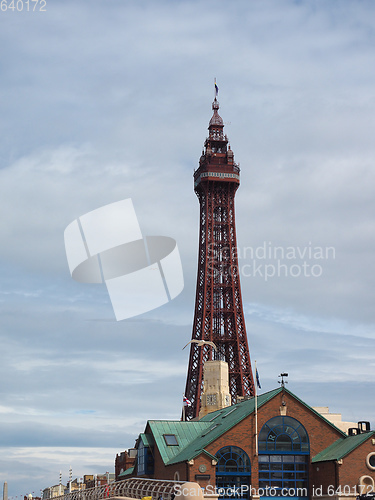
(218, 314)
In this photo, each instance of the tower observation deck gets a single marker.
(218, 305)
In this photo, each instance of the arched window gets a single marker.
(284, 456)
(232, 459)
(283, 434)
(233, 470)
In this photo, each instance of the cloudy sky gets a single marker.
(108, 100)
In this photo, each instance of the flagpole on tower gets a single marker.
(256, 414)
(185, 402)
(257, 386)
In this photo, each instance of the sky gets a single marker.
(103, 101)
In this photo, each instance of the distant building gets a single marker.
(53, 491)
(74, 486)
(99, 479)
(125, 460)
(87, 478)
(335, 418)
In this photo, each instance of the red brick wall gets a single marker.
(323, 477)
(321, 434)
(186, 471)
(163, 472)
(344, 477)
(160, 471)
(354, 465)
(205, 460)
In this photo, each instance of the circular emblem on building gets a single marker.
(202, 468)
(370, 460)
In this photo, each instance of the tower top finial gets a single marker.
(216, 118)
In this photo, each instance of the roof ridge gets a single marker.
(316, 412)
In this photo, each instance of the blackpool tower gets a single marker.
(218, 314)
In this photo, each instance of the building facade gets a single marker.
(297, 453)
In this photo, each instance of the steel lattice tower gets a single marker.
(218, 305)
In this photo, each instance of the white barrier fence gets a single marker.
(132, 488)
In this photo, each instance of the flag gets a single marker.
(257, 378)
(216, 88)
(186, 402)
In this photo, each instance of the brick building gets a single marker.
(298, 453)
(90, 481)
(124, 461)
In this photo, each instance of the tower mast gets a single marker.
(218, 305)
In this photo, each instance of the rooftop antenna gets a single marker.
(282, 381)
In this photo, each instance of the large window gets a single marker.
(233, 473)
(283, 471)
(145, 460)
(284, 457)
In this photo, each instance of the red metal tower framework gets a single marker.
(218, 305)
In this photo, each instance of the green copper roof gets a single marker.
(194, 436)
(147, 439)
(342, 447)
(126, 472)
(219, 422)
(185, 432)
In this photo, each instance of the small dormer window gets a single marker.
(170, 439)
